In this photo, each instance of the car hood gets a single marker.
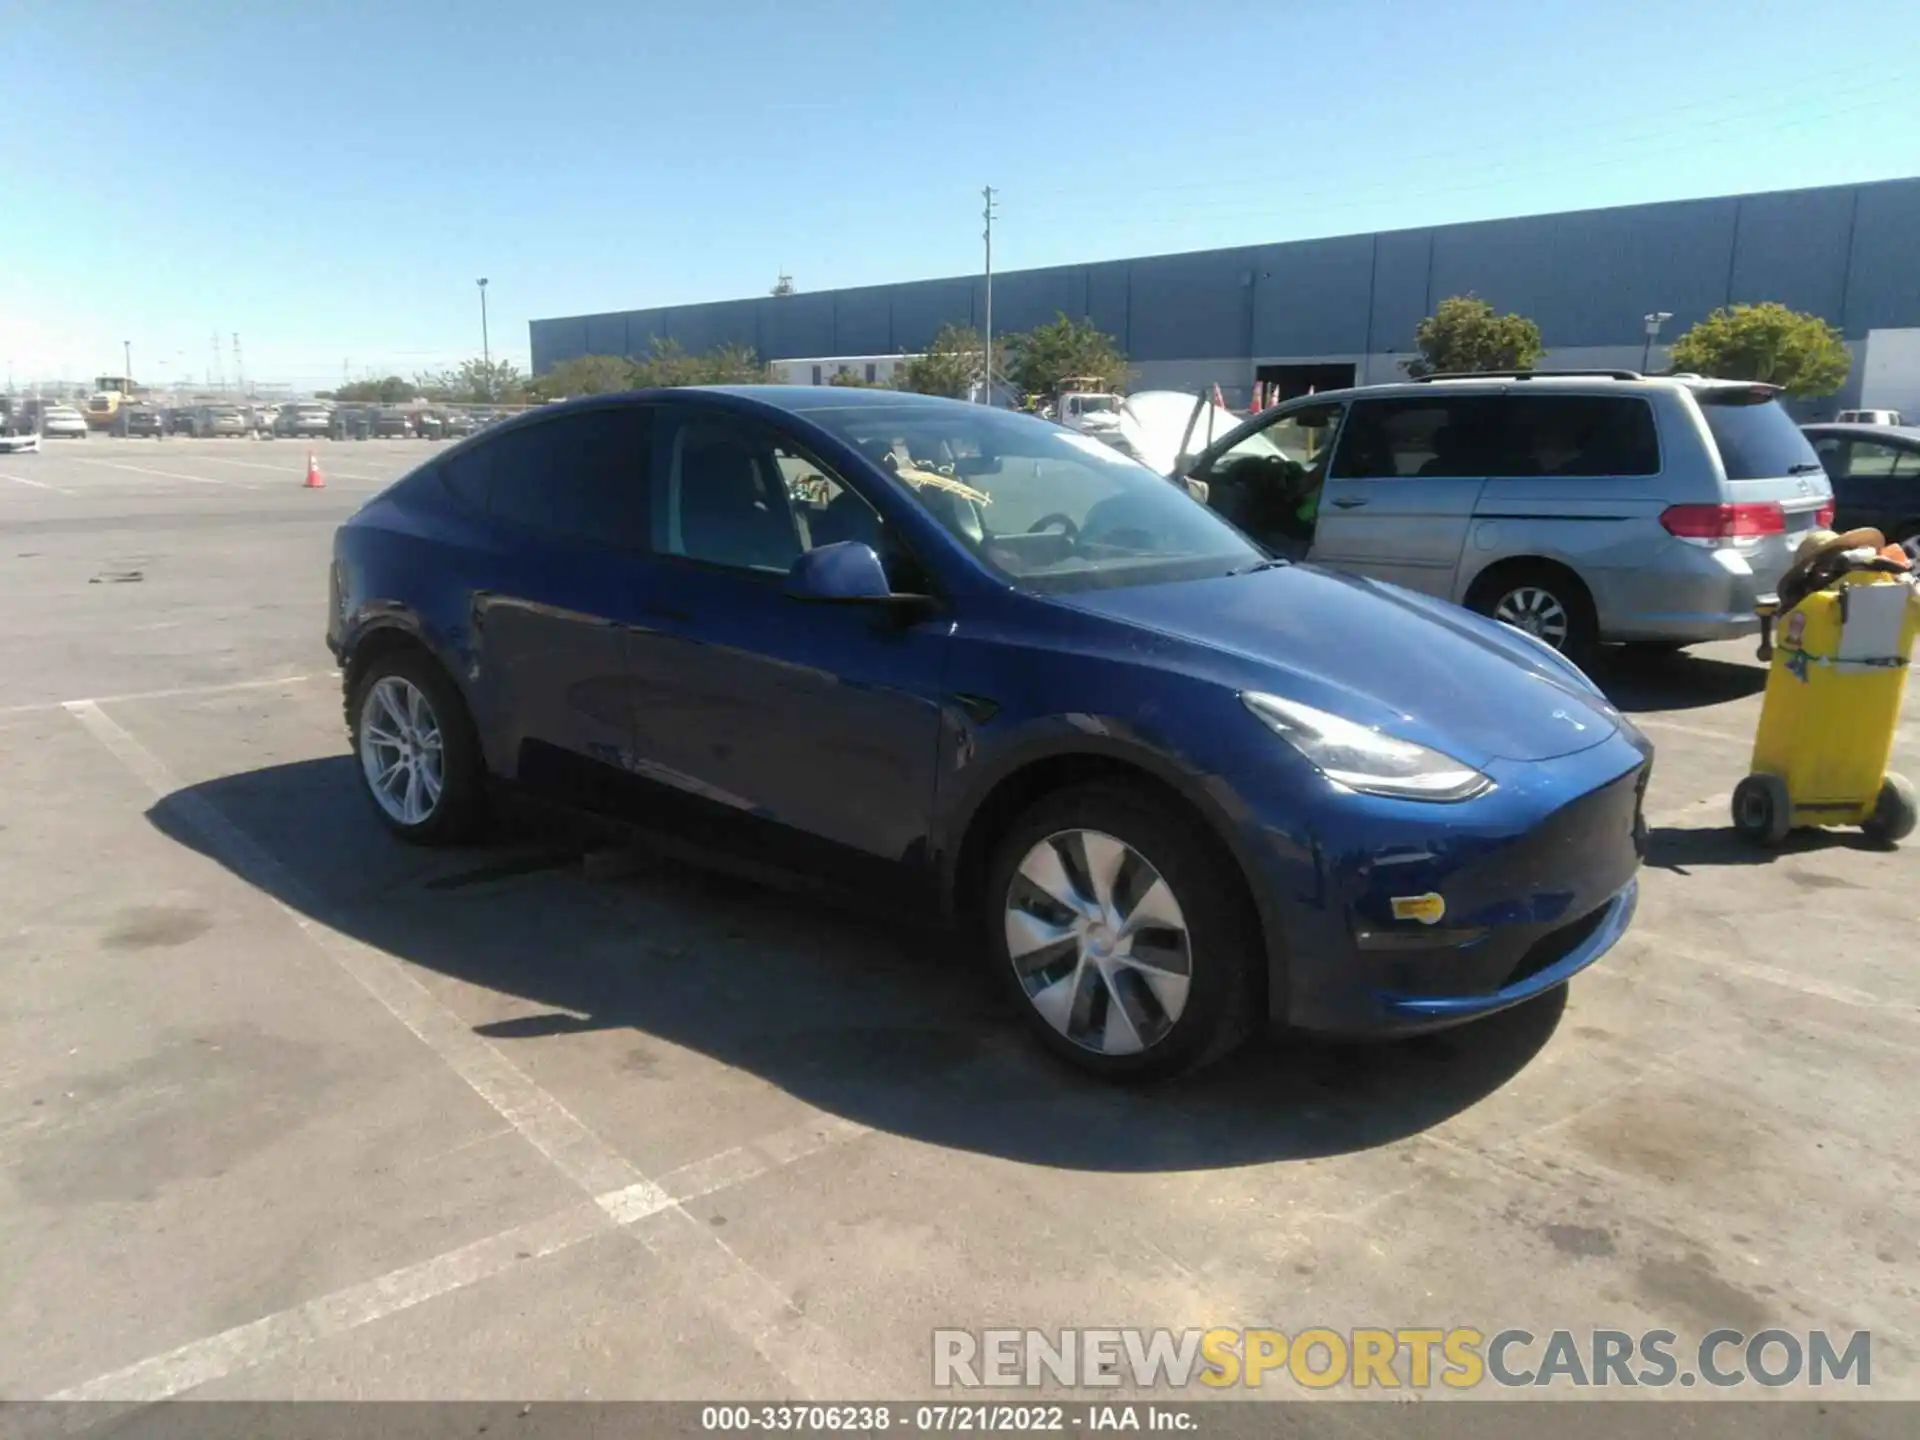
(1374, 653)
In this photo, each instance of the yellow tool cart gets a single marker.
(1848, 614)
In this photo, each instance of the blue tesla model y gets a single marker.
(911, 647)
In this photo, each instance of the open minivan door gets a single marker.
(1266, 475)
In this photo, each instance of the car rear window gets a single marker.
(1757, 441)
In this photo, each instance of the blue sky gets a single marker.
(329, 179)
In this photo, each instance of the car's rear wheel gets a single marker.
(1127, 945)
(419, 759)
(1543, 600)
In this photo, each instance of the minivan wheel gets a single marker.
(1126, 948)
(419, 761)
(1546, 603)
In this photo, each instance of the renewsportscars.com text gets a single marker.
(1458, 1358)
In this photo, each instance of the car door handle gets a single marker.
(1347, 504)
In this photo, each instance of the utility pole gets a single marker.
(126, 352)
(486, 350)
(986, 364)
(217, 374)
(239, 370)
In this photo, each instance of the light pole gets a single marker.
(486, 350)
(1655, 320)
(987, 358)
(126, 353)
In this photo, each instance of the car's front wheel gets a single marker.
(419, 760)
(1123, 933)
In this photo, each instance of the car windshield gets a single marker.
(1046, 508)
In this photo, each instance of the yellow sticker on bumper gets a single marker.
(1428, 909)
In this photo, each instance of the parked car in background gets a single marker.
(304, 420)
(1869, 417)
(388, 422)
(1580, 507)
(457, 423)
(428, 424)
(1156, 768)
(351, 422)
(224, 422)
(183, 420)
(63, 422)
(1875, 470)
(138, 421)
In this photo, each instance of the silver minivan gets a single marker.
(1579, 506)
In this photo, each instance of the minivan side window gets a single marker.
(1417, 437)
(582, 476)
(1518, 436)
(1581, 435)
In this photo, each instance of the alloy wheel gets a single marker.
(1536, 611)
(400, 750)
(1098, 942)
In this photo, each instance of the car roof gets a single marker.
(1908, 433)
(1589, 382)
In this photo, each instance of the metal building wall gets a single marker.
(1587, 278)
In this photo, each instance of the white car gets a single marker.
(63, 422)
(1868, 417)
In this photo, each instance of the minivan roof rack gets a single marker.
(1531, 375)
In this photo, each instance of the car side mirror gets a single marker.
(849, 572)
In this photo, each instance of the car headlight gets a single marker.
(1363, 759)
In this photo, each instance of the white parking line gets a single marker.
(265, 682)
(36, 484)
(742, 1298)
(272, 1337)
(1681, 727)
(163, 474)
(297, 471)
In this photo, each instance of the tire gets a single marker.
(1893, 812)
(426, 702)
(1762, 809)
(1547, 602)
(1103, 1012)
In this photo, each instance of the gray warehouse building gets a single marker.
(1335, 311)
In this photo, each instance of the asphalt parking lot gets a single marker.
(289, 1110)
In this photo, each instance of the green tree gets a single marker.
(1464, 333)
(1802, 354)
(585, 375)
(853, 380)
(1063, 349)
(390, 391)
(498, 382)
(951, 364)
(732, 365)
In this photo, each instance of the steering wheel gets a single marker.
(1065, 522)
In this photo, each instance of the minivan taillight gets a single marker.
(1823, 517)
(1724, 522)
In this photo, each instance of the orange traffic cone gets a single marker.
(314, 480)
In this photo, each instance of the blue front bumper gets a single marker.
(1396, 916)
(1564, 959)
